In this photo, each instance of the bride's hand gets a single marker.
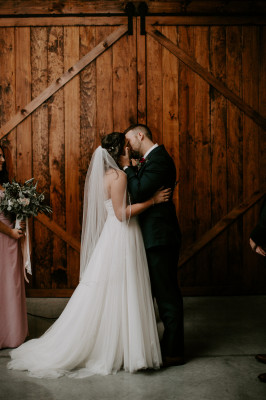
(162, 195)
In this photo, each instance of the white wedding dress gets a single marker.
(109, 322)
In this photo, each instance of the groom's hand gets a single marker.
(124, 160)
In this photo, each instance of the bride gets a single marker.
(109, 322)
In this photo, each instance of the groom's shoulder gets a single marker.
(162, 153)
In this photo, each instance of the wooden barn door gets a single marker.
(54, 112)
(67, 82)
(206, 102)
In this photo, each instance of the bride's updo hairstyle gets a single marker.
(114, 143)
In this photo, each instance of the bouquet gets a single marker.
(23, 201)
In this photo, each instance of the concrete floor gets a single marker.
(222, 336)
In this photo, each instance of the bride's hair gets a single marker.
(114, 143)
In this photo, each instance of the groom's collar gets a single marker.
(148, 152)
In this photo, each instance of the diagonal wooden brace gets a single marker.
(61, 81)
(207, 76)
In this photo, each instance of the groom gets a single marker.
(161, 234)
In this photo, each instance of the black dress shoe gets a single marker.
(262, 377)
(169, 361)
(261, 358)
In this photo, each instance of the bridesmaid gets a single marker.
(13, 313)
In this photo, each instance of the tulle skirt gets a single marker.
(109, 322)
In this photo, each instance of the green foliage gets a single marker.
(23, 200)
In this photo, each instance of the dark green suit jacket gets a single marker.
(258, 235)
(158, 223)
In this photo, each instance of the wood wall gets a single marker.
(219, 152)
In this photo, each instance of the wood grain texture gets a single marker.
(72, 150)
(213, 20)
(104, 78)
(63, 21)
(59, 232)
(8, 91)
(234, 151)
(61, 81)
(208, 77)
(203, 153)
(218, 228)
(262, 103)
(124, 82)
(56, 126)
(154, 88)
(141, 75)
(23, 96)
(218, 153)
(187, 149)
(170, 65)
(42, 258)
(200, 7)
(250, 81)
(88, 108)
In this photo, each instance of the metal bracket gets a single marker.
(184, 4)
(143, 11)
(130, 11)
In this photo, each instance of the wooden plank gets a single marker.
(124, 82)
(132, 77)
(186, 105)
(88, 109)
(104, 74)
(7, 91)
(231, 290)
(61, 81)
(250, 75)
(234, 151)
(141, 75)
(23, 96)
(170, 65)
(72, 153)
(40, 155)
(58, 231)
(208, 77)
(191, 20)
(57, 155)
(223, 224)
(203, 154)
(201, 7)
(262, 104)
(49, 292)
(154, 88)
(218, 149)
(63, 21)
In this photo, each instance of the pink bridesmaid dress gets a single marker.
(13, 312)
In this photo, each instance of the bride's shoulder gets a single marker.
(115, 174)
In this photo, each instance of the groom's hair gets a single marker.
(140, 128)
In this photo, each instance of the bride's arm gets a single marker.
(118, 190)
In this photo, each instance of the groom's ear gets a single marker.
(140, 136)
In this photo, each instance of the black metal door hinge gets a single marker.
(130, 11)
(143, 11)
